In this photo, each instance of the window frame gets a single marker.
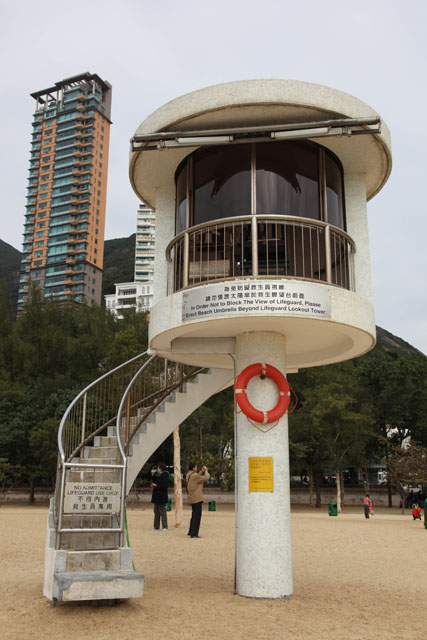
(188, 165)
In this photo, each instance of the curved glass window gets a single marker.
(221, 183)
(181, 199)
(334, 192)
(290, 178)
(287, 179)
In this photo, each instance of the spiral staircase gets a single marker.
(105, 437)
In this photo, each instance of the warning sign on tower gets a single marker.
(261, 474)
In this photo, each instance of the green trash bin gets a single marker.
(333, 509)
(168, 505)
(212, 506)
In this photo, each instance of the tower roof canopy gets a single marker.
(255, 110)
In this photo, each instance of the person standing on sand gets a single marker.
(416, 512)
(160, 497)
(367, 505)
(195, 480)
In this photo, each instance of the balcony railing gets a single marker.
(261, 245)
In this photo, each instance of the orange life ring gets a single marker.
(242, 381)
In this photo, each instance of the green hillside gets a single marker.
(119, 262)
(387, 342)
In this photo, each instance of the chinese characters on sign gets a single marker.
(81, 497)
(261, 474)
(261, 297)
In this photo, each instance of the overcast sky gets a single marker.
(152, 52)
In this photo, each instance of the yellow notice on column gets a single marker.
(261, 474)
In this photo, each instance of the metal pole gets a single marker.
(186, 259)
(127, 423)
(328, 254)
(254, 238)
(122, 504)
(84, 418)
(61, 506)
(236, 492)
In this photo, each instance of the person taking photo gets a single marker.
(195, 480)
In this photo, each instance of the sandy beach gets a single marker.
(353, 579)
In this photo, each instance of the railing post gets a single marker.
(350, 254)
(254, 239)
(122, 505)
(61, 505)
(84, 418)
(186, 260)
(127, 423)
(328, 254)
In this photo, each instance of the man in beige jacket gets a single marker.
(195, 480)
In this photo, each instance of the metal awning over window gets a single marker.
(241, 135)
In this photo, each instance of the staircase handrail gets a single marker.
(123, 391)
(167, 390)
(96, 403)
(119, 412)
(76, 400)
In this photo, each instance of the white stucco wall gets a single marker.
(357, 228)
(165, 231)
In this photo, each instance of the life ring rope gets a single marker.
(296, 399)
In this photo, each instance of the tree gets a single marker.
(4, 468)
(177, 484)
(397, 387)
(334, 422)
(207, 436)
(47, 355)
(130, 338)
(407, 467)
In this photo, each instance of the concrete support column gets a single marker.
(263, 535)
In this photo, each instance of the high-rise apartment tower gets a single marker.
(145, 244)
(138, 294)
(65, 214)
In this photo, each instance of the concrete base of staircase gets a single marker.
(73, 575)
(98, 585)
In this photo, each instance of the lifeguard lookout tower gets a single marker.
(261, 268)
(262, 256)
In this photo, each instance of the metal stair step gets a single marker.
(105, 441)
(99, 460)
(100, 452)
(74, 520)
(78, 541)
(141, 410)
(94, 475)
